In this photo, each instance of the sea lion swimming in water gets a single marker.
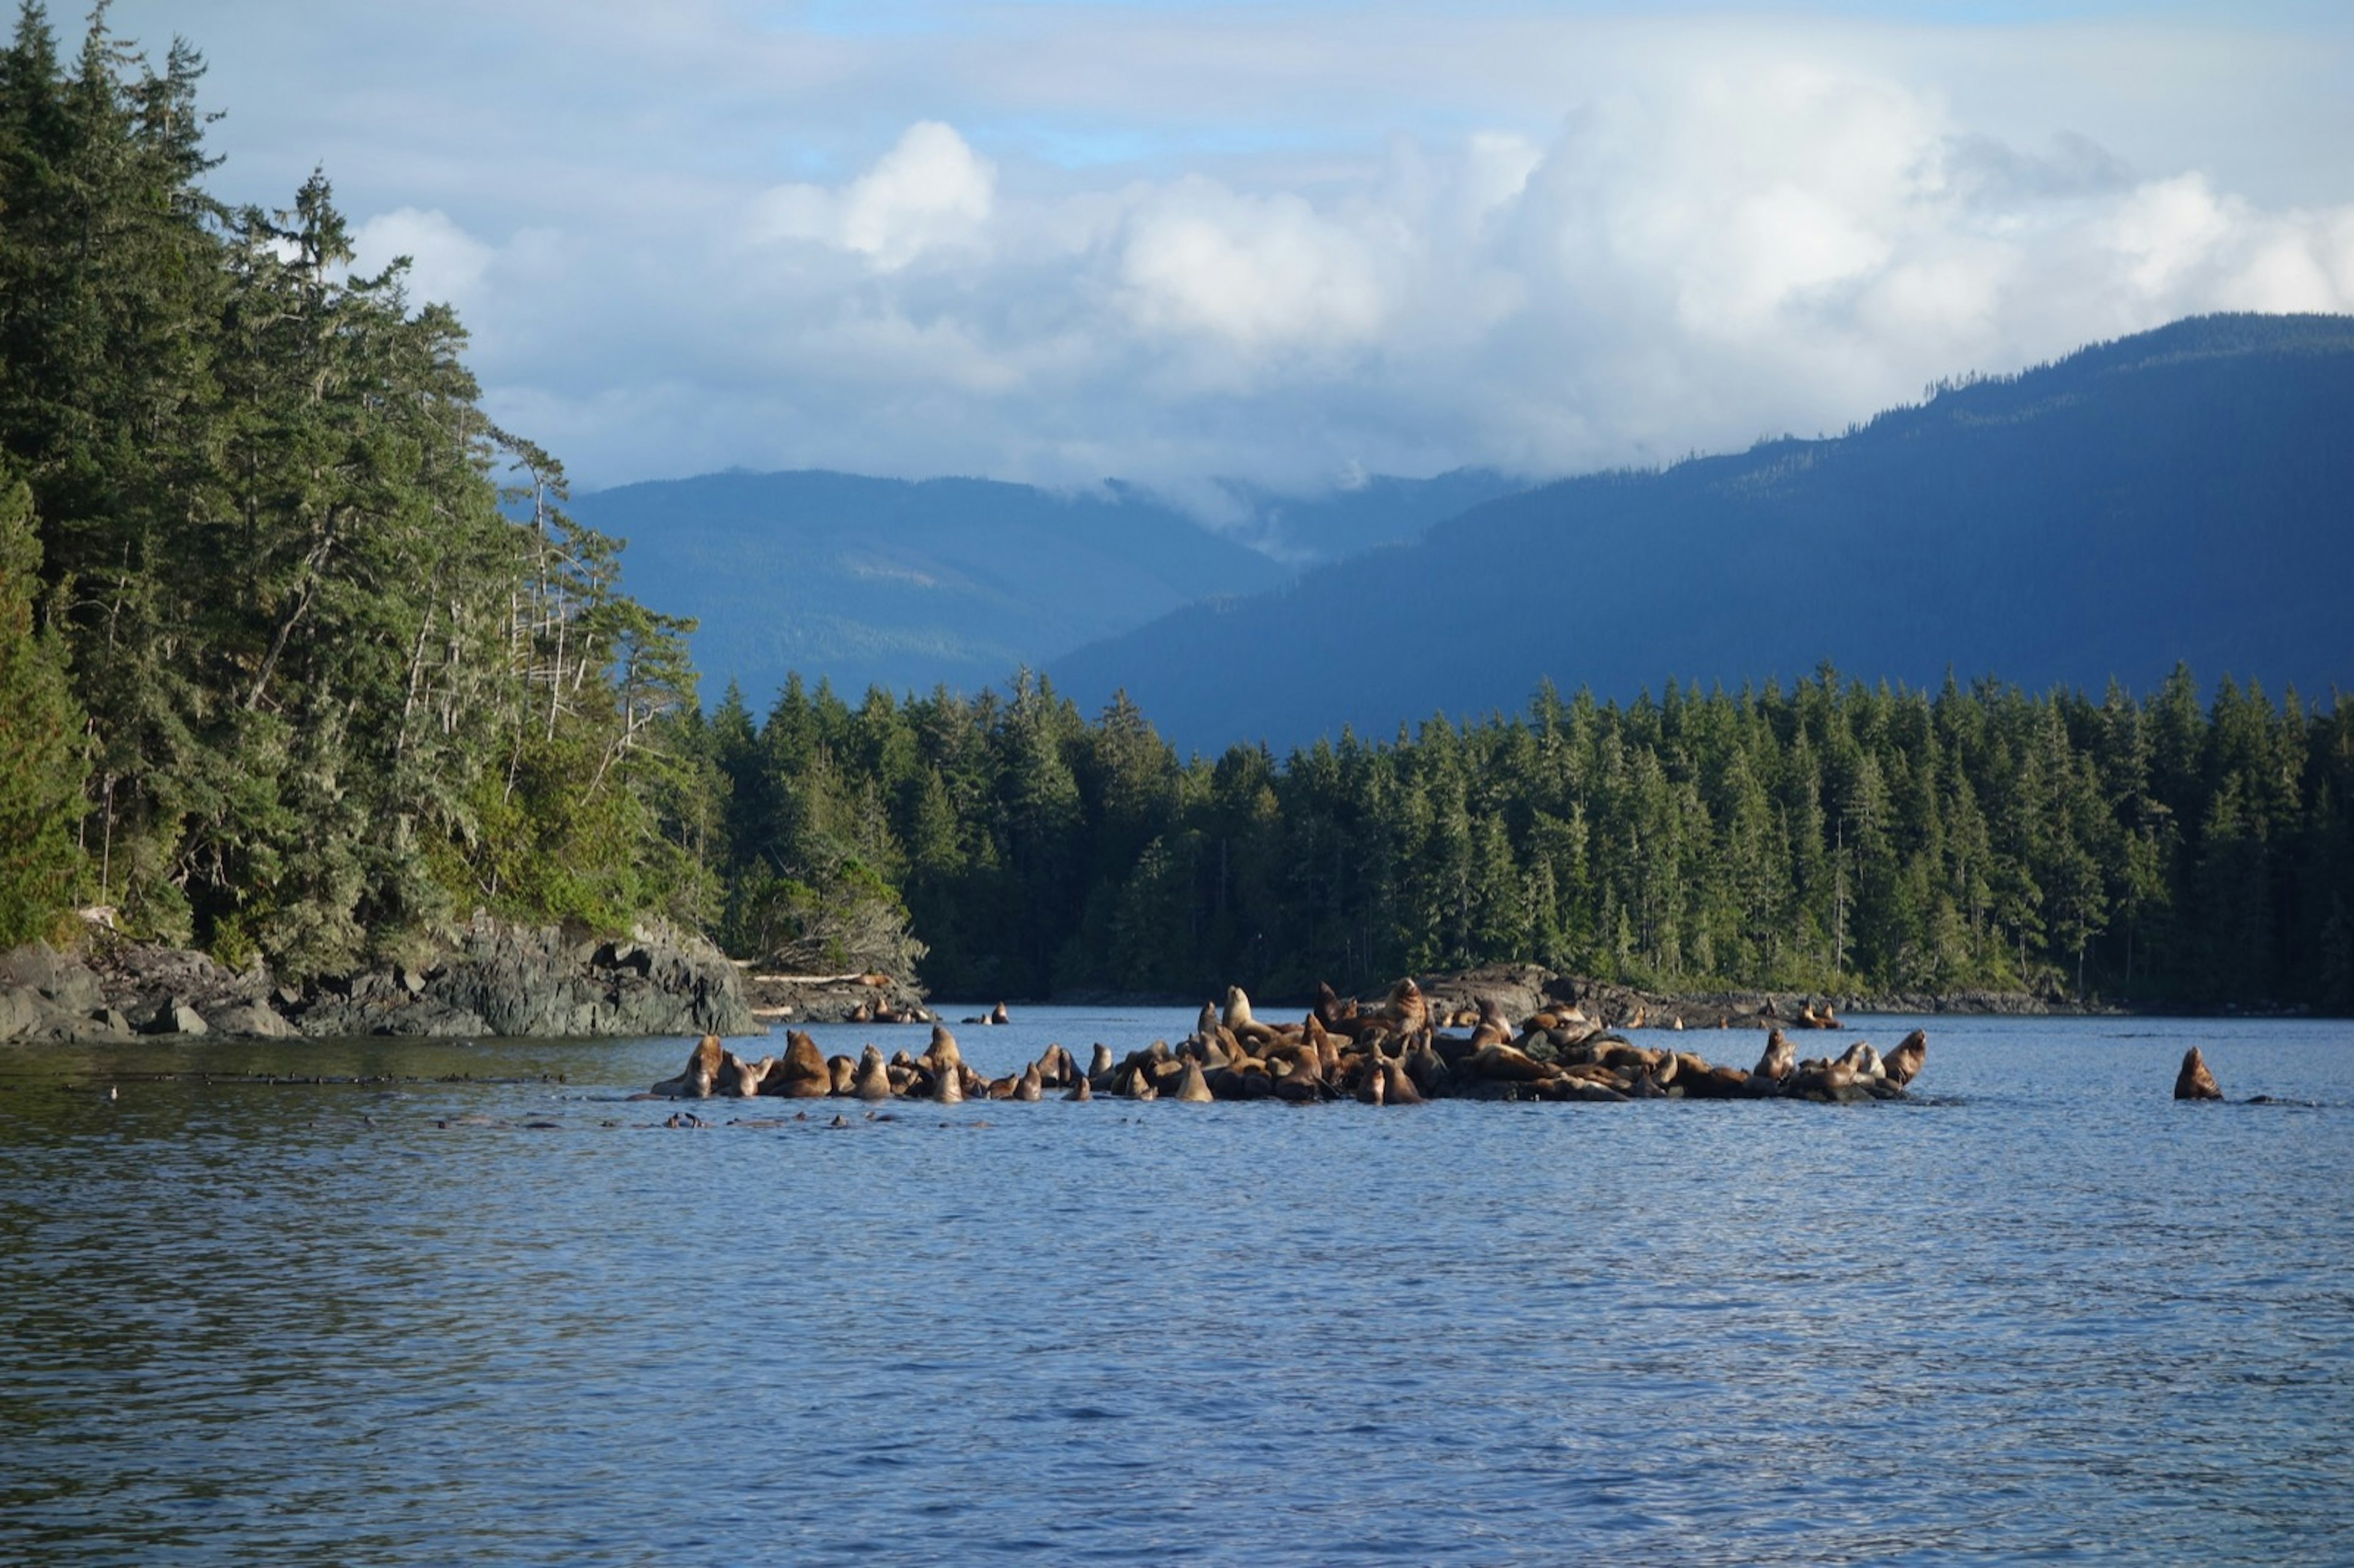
(2195, 1082)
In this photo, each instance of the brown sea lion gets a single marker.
(1863, 1061)
(942, 1053)
(1081, 1090)
(1780, 1060)
(1031, 1085)
(2195, 1082)
(999, 1015)
(1500, 1062)
(1423, 1065)
(948, 1088)
(1398, 1084)
(1191, 1087)
(1903, 1064)
(1372, 1084)
(802, 1073)
(700, 1074)
(1405, 1008)
(737, 1078)
(1238, 1022)
(874, 1079)
(843, 1072)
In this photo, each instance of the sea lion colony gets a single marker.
(1389, 1055)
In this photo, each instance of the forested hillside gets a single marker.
(323, 690)
(2180, 496)
(1824, 835)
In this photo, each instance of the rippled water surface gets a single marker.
(2044, 1312)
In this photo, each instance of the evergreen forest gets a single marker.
(303, 659)
(340, 666)
(1832, 836)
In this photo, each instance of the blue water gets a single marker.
(2042, 1313)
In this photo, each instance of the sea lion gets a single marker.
(1191, 1087)
(948, 1088)
(1240, 1023)
(1081, 1090)
(843, 1072)
(999, 1015)
(942, 1053)
(1780, 1060)
(1031, 1085)
(1502, 1062)
(874, 1079)
(1398, 1084)
(696, 1080)
(1405, 1006)
(2195, 1082)
(802, 1073)
(740, 1079)
(1100, 1066)
(1423, 1065)
(1863, 1061)
(1903, 1064)
(1373, 1085)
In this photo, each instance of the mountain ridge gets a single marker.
(2179, 495)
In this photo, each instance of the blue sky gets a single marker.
(1286, 242)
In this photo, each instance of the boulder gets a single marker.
(257, 1020)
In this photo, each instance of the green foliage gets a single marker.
(340, 686)
(41, 765)
(1833, 835)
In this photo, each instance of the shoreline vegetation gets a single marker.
(304, 668)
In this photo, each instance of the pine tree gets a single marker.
(41, 765)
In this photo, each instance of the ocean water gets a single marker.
(479, 1306)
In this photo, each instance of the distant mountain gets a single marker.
(904, 585)
(961, 581)
(2184, 494)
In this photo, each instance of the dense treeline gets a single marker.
(328, 687)
(1827, 836)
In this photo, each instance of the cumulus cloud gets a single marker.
(446, 263)
(1291, 251)
(930, 190)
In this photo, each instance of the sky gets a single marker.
(1293, 242)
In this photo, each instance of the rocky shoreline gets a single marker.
(490, 979)
(867, 998)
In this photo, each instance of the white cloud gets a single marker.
(446, 264)
(1255, 272)
(1301, 241)
(930, 190)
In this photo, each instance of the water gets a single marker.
(2043, 1313)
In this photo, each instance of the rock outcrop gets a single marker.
(494, 978)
